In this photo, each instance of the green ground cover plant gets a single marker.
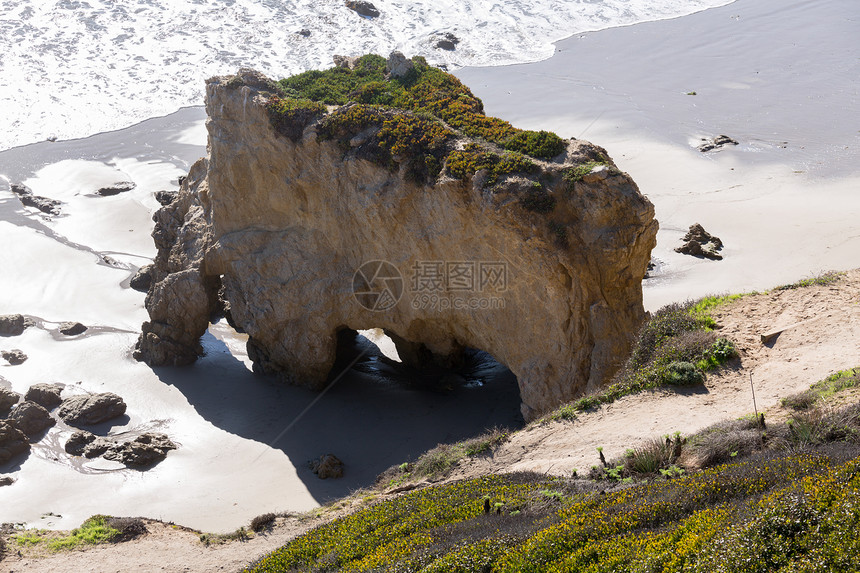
(95, 530)
(800, 508)
(434, 108)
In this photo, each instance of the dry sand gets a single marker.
(780, 77)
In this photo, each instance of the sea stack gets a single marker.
(306, 219)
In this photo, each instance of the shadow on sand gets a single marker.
(372, 417)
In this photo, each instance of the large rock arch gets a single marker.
(281, 225)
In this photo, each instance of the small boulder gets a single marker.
(77, 444)
(304, 32)
(700, 243)
(142, 279)
(398, 65)
(31, 418)
(14, 324)
(45, 395)
(716, 143)
(328, 466)
(8, 398)
(6, 480)
(116, 188)
(447, 41)
(362, 7)
(165, 198)
(13, 357)
(145, 450)
(72, 328)
(91, 409)
(13, 442)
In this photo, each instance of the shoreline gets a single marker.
(221, 428)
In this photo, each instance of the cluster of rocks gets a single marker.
(328, 466)
(700, 243)
(43, 204)
(716, 143)
(16, 324)
(145, 450)
(23, 421)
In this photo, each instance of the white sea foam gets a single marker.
(71, 68)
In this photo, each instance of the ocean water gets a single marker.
(71, 68)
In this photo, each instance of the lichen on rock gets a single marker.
(471, 244)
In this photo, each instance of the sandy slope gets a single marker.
(826, 341)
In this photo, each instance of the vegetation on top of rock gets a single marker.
(423, 89)
(289, 116)
(422, 142)
(464, 164)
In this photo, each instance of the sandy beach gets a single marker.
(782, 78)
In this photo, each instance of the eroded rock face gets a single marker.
(13, 357)
(45, 395)
(541, 272)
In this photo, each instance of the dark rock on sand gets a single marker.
(362, 7)
(700, 243)
(43, 204)
(166, 197)
(116, 188)
(716, 143)
(8, 398)
(91, 409)
(45, 395)
(142, 279)
(447, 41)
(14, 324)
(13, 442)
(328, 466)
(31, 418)
(304, 32)
(145, 450)
(72, 328)
(6, 480)
(77, 444)
(13, 357)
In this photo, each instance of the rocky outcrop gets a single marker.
(309, 234)
(31, 418)
(91, 409)
(14, 324)
(45, 395)
(700, 243)
(13, 357)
